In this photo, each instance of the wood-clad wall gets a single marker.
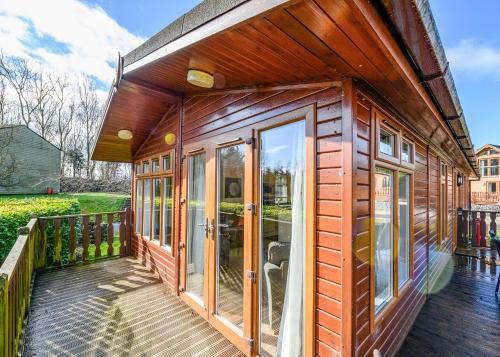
(205, 116)
(429, 257)
(149, 253)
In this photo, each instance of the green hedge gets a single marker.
(16, 213)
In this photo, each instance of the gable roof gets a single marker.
(487, 146)
(24, 127)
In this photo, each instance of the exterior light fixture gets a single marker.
(125, 134)
(170, 138)
(200, 78)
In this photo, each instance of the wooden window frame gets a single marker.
(151, 176)
(411, 163)
(376, 318)
(443, 233)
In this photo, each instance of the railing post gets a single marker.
(472, 225)
(110, 234)
(97, 233)
(482, 242)
(460, 233)
(57, 242)
(4, 315)
(123, 233)
(42, 248)
(85, 240)
(72, 240)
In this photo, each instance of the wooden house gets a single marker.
(486, 190)
(297, 168)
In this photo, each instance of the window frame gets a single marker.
(161, 174)
(443, 234)
(396, 166)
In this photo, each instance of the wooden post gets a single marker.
(110, 234)
(493, 223)
(85, 234)
(123, 233)
(482, 242)
(4, 315)
(57, 242)
(42, 249)
(128, 214)
(72, 240)
(98, 221)
(472, 224)
(460, 233)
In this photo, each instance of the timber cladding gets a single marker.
(429, 255)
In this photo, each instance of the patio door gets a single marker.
(217, 242)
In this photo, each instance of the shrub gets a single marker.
(16, 213)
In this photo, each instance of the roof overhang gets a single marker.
(251, 44)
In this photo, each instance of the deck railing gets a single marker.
(485, 198)
(49, 242)
(474, 226)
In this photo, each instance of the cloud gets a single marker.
(64, 36)
(475, 59)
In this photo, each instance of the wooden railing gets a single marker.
(485, 198)
(48, 242)
(473, 228)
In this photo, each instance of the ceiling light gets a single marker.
(125, 134)
(170, 138)
(200, 78)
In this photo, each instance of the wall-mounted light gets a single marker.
(125, 134)
(200, 78)
(170, 138)
(460, 180)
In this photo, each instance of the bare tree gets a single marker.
(65, 115)
(89, 111)
(4, 102)
(20, 77)
(44, 105)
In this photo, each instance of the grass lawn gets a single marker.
(95, 202)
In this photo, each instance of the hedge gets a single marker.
(16, 213)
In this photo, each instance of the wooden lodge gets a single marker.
(297, 168)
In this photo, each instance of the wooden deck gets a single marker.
(462, 319)
(115, 308)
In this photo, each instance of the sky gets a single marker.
(72, 36)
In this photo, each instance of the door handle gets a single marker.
(205, 227)
(211, 228)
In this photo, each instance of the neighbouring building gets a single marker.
(29, 164)
(487, 189)
(297, 166)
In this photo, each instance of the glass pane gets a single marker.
(145, 166)
(138, 206)
(195, 250)
(494, 167)
(147, 208)
(386, 142)
(282, 239)
(155, 164)
(230, 231)
(167, 212)
(404, 229)
(156, 209)
(383, 237)
(166, 163)
(407, 151)
(138, 168)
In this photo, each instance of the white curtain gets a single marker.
(292, 321)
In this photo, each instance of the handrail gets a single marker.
(16, 274)
(485, 197)
(30, 254)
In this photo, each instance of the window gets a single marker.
(483, 164)
(404, 228)
(387, 142)
(155, 165)
(494, 167)
(155, 230)
(167, 212)
(492, 187)
(392, 242)
(407, 152)
(154, 199)
(138, 206)
(443, 203)
(383, 237)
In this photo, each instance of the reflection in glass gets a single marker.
(383, 237)
(195, 247)
(156, 210)
(404, 229)
(167, 212)
(230, 230)
(386, 142)
(166, 163)
(407, 152)
(282, 239)
(494, 167)
(138, 206)
(147, 208)
(155, 165)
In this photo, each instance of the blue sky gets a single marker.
(95, 30)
